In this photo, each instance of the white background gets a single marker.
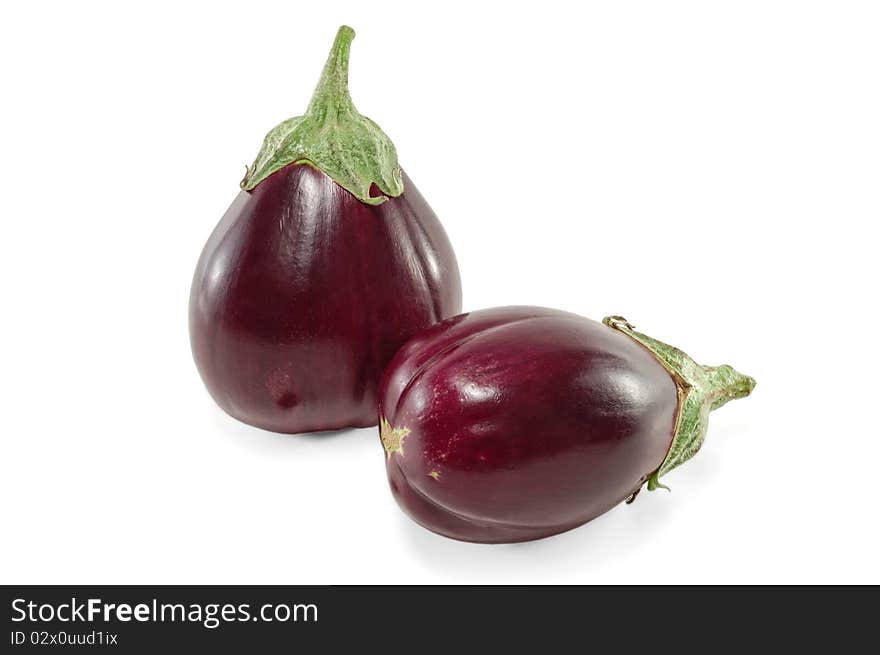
(709, 170)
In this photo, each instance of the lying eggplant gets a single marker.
(326, 262)
(518, 423)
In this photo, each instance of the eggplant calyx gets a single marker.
(701, 389)
(333, 137)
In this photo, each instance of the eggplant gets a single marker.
(326, 262)
(517, 423)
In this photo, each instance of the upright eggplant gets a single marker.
(517, 423)
(326, 262)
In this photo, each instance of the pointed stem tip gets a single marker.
(346, 32)
(331, 94)
(726, 384)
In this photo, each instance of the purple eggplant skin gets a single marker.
(303, 294)
(518, 423)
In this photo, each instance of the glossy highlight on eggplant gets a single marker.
(305, 290)
(517, 423)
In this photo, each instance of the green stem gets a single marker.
(726, 384)
(333, 137)
(331, 96)
(701, 389)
